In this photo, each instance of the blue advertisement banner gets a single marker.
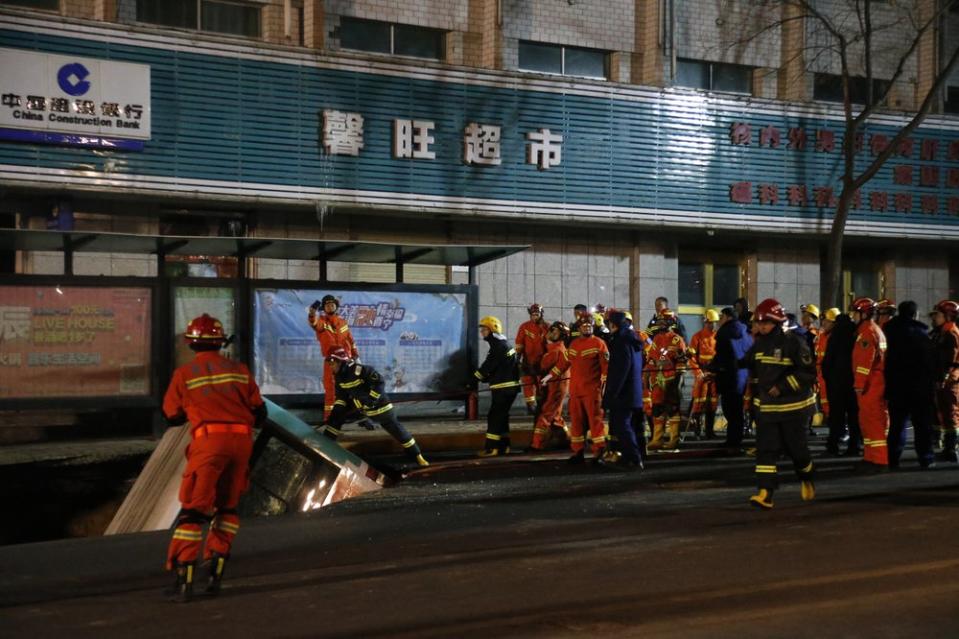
(416, 340)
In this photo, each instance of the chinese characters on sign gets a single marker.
(925, 176)
(342, 134)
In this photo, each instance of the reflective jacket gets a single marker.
(333, 332)
(947, 352)
(499, 368)
(212, 389)
(782, 360)
(702, 349)
(358, 387)
(531, 343)
(664, 357)
(588, 365)
(868, 355)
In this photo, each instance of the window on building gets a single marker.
(233, 18)
(714, 76)
(828, 88)
(951, 104)
(397, 39)
(51, 5)
(562, 60)
(706, 284)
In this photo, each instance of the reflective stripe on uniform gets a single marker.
(227, 526)
(769, 359)
(793, 382)
(766, 468)
(494, 437)
(785, 408)
(378, 411)
(353, 384)
(410, 443)
(374, 394)
(224, 378)
(478, 375)
(339, 402)
(861, 370)
(503, 385)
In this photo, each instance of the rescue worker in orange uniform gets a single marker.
(822, 341)
(885, 311)
(946, 338)
(222, 403)
(556, 384)
(705, 398)
(360, 388)
(500, 371)
(588, 365)
(784, 370)
(580, 313)
(332, 332)
(530, 347)
(869, 382)
(667, 354)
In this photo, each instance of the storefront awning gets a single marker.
(276, 248)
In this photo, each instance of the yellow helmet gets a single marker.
(831, 314)
(492, 323)
(812, 309)
(597, 319)
(711, 315)
(628, 315)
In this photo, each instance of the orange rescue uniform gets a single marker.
(868, 364)
(822, 340)
(332, 332)
(702, 349)
(556, 363)
(588, 360)
(219, 398)
(667, 351)
(531, 344)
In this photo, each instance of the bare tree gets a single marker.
(849, 30)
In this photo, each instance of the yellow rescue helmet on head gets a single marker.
(598, 319)
(812, 309)
(711, 315)
(492, 323)
(831, 314)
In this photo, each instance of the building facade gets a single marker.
(639, 147)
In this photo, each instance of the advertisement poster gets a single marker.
(192, 301)
(414, 339)
(72, 341)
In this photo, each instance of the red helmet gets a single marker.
(561, 327)
(865, 305)
(770, 310)
(339, 355)
(535, 308)
(886, 307)
(205, 330)
(948, 308)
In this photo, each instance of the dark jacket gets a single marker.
(499, 369)
(358, 387)
(837, 362)
(910, 361)
(732, 342)
(783, 361)
(624, 379)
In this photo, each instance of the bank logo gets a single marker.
(72, 78)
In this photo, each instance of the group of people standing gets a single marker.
(867, 372)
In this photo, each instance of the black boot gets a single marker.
(577, 458)
(217, 564)
(182, 590)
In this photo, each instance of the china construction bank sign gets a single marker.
(69, 100)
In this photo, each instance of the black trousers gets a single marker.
(843, 418)
(638, 424)
(787, 434)
(497, 419)
(918, 410)
(732, 403)
(388, 422)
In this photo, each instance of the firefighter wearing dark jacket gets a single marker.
(500, 371)
(360, 389)
(946, 337)
(785, 371)
(222, 403)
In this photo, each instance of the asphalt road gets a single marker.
(521, 548)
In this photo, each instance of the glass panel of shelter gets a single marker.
(705, 285)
